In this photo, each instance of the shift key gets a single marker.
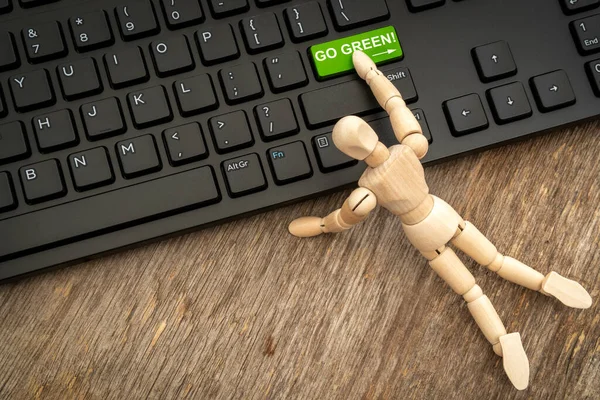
(352, 98)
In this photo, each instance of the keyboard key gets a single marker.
(55, 131)
(42, 181)
(91, 31)
(32, 90)
(79, 79)
(172, 56)
(69, 222)
(285, 72)
(185, 144)
(241, 83)
(149, 107)
(136, 19)
(231, 132)
(225, 8)
(13, 142)
(35, 3)
(358, 100)
(8, 52)
(420, 5)
(577, 6)
(138, 156)
(334, 58)
(91, 169)
(494, 61)
(126, 68)
(317, 104)
(586, 33)
(465, 115)
(195, 95)
(348, 14)
(420, 116)
(552, 91)
(593, 70)
(244, 175)
(261, 33)
(44, 42)
(182, 13)
(509, 103)
(289, 163)
(5, 6)
(276, 119)
(329, 157)
(7, 193)
(217, 44)
(305, 21)
(385, 131)
(103, 118)
(401, 78)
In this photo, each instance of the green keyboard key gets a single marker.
(335, 58)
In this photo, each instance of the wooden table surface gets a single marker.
(246, 311)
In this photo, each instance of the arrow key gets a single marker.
(552, 91)
(494, 61)
(185, 144)
(509, 103)
(465, 114)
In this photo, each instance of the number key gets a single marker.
(182, 13)
(586, 33)
(44, 42)
(137, 19)
(91, 31)
(8, 52)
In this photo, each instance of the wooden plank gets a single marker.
(245, 310)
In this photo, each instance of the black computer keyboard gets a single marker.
(123, 121)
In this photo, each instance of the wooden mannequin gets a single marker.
(395, 180)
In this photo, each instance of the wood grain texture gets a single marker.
(245, 310)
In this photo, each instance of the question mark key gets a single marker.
(276, 119)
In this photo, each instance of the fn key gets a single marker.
(289, 163)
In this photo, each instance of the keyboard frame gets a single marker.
(537, 28)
